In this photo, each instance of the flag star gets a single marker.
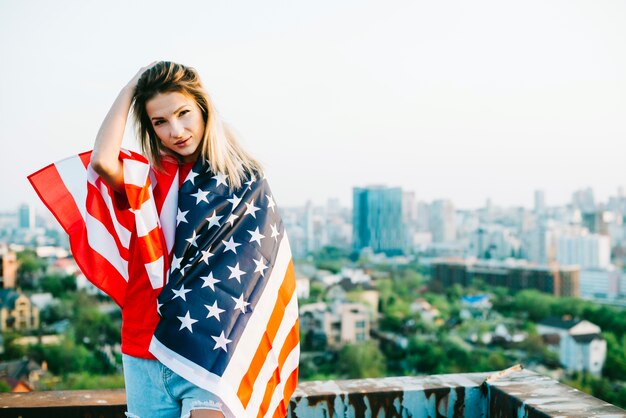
(251, 209)
(271, 203)
(235, 273)
(205, 256)
(214, 310)
(186, 322)
(221, 179)
(193, 239)
(275, 232)
(200, 195)
(231, 245)
(260, 266)
(221, 341)
(252, 180)
(159, 308)
(214, 220)
(235, 201)
(180, 293)
(176, 263)
(209, 281)
(180, 217)
(232, 218)
(192, 176)
(256, 236)
(240, 304)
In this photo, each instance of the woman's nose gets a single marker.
(176, 129)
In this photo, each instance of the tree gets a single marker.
(4, 386)
(363, 360)
(29, 269)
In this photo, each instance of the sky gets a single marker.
(450, 99)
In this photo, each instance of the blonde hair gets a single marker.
(219, 145)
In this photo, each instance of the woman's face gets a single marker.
(177, 121)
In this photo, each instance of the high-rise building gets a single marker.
(589, 251)
(26, 216)
(377, 219)
(584, 200)
(540, 201)
(442, 221)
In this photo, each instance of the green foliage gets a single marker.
(615, 364)
(81, 381)
(331, 259)
(30, 268)
(4, 386)
(425, 357)
(533, 304)
(11, 350)
(93, 327)
(361, 361)
(316, 290)
(57, 284)
(68, 357)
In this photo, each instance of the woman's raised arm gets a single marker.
(106, 150)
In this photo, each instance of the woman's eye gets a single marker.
(184, 112)
(158, 122)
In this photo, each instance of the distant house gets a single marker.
(339, 323)
(427, 312)
(8, 267)
(475, 306)
(22, 375)
(16, 311)
(578, 343)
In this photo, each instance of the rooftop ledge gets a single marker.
(509, 393)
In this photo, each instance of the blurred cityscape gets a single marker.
(391, 286)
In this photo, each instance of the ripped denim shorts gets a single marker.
(155, 391)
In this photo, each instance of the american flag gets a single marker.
(227, 303)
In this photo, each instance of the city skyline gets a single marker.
(466, 102)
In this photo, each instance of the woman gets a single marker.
(209, 286)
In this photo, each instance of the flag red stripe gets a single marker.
(269, 392)
(85, 157)
(137, 196)
(290, 343)
(152, 246)
(290, 387)
(97, 207)
(285, 294)
(292, 340)
(49, 185)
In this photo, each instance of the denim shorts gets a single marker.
(155, 391)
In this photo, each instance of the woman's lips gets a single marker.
(182, 142)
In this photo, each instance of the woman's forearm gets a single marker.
(104, 158)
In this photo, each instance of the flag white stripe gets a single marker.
(122, 232)
(73, 173)
(102, 242)
(257, 324)
(146, 217)
(155, 272)
(291, 363)
(271, 361)
(135, 172)
(168, 214)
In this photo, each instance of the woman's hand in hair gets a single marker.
(133, 82)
